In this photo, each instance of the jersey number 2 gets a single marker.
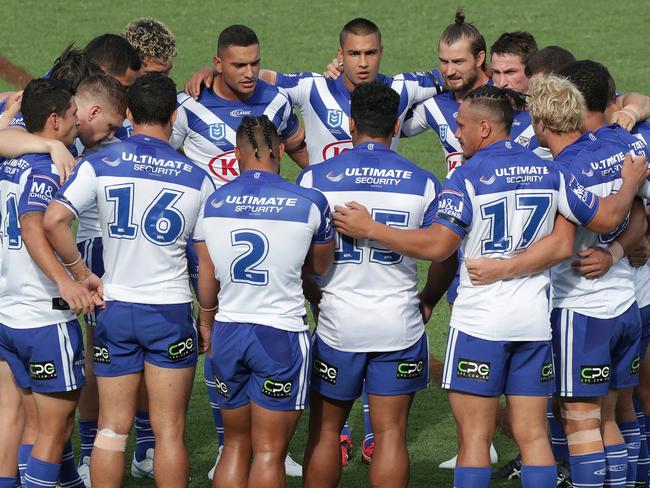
(256, 247)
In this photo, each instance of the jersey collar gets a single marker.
(257, 174)
(370, 146)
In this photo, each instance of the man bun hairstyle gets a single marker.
(464, 30)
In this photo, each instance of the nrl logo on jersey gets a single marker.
(334, 118)
(442, 131)
(218, 131)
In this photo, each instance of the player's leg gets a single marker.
(29, 432)
(145, 441)
(642, 399)
(368, 444)
(234, 466)
(12, 419)
(213, 397)
(336, 381)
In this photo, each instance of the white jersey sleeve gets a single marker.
(415, 122)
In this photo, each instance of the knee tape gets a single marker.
(584, 436)
(109, 440)
(594, 413)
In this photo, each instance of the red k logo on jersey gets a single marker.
(225, 166)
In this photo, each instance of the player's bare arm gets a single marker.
(319, 258)
(296, 148)
(204, 76)
(634, 107)
(439, 277)
(641, 253)
(543, 254)
(207, 296)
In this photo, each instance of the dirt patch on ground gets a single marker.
(13, 74)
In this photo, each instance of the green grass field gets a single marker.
(302, 36)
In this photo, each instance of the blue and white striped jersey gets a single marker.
(258, 230)
(27, 184)
(500, 203)
(370, 297)
(206, 127)
(148, 197)
(325, 107)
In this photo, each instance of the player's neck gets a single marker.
(267, 166)
(154, 131)
(593, 121)
(557, 142)
(47, 133)
(480, 81)
(362, 139)
(221, 88)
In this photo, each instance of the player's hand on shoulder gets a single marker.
(204, 76)
(63, 159)
(625, 117)
(594, 262)
(640, 254)
(485, 271)
(635, 169)
(334, 69)
(352, 220)
(14, 102)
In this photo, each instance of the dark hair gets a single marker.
(73, 66)
(359, 27)
(256, 130)
(591, 78)
(611, 88)
(42, 98)
(548, 60)
(501, 102)
(236, 35)
(107, 88)
(519, 43)
(464, 30)
(374, 106)
(113, 54)
(152, 99)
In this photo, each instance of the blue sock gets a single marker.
(214, 401)
(87, 433)
(616, 459)
(144, 438)
(41, 474)
(643, 466)
(465, 477)
(367, 424)
(69, 477)
(632, 436)
(538, 476)
(588, 469)
(24, 452)
(10, 482)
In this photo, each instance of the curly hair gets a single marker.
(152, 39)
(557, 102)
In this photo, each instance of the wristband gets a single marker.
(630, 112)
(207, 309)
(68, 265)
(617, 251)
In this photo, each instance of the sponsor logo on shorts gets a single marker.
(325, 372)
(473, 370)
(409, 369)
(43, 370)
(594, 374)
(634, 367)
(181, 349)
(547, 372)
(221, 387)
(101, 355)
(276, 389)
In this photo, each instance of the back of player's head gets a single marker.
(373, 107)
(260, 134)
(591, 78)
(548, 60)
(104, 89)
(151, 39)
(498, 103)
(42, 98)
(73, 66)
(236, 35)
(359, 27)
(464, 30)
(152, 99)
(113, 53)
(519, 43)
(556, 102)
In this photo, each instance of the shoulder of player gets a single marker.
(311, 195)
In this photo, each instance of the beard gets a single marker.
(466, 85)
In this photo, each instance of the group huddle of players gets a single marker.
(537, 236)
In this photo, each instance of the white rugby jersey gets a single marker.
(596, 162)
(148, 197)
(27, 184)
(502, 201)
(206, 127)
(370, 297)
(325, 107)
(258, 230)
(642, 274)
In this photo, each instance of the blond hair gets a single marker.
(152, 39)
(557, 102)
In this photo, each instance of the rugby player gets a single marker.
(40, 338)
(393, 360)
(206, 130)
(146, 329)
(154, 42)
(115, 56)
(483, 130)
(580, 311)
(259, 231)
